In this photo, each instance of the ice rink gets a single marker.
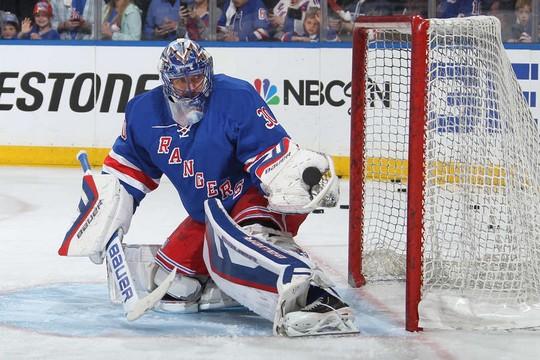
(53, 307)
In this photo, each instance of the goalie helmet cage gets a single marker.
(444, 182)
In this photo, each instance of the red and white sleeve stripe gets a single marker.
(125, 171)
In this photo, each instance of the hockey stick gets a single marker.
(134, 307)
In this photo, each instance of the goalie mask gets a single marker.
(186, 70)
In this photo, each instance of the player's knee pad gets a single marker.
(183, 288)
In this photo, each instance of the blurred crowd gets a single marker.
(240, 20)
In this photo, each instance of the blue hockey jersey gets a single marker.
(209, 159)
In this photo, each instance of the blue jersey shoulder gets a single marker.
(148, 108)
(234, 95)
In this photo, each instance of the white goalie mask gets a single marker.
(186, 70)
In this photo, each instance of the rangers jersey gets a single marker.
(214, 158)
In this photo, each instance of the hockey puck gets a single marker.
(311, 175)
(402, 190)
(343, 206)
(318, 211)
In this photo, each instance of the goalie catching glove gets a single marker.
(296, 180)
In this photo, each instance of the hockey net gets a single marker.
(445, 173)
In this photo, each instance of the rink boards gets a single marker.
(74, 96)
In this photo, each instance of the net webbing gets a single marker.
(482, 181)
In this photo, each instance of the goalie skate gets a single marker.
(327, 315)
(212, 298)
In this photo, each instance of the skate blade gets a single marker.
(176, 307)
(336, 334)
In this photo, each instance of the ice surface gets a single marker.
(54, 307)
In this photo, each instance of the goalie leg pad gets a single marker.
(276, 282)
(140, 261)
(249, 269)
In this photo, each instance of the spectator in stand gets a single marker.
(311, 29)
(20, 8)
(74, 19)
(244, 20)
(10, 26)
(9, 6)
(504, 11)
(413, 7)
(161, 20)
(276, 18)
(458, 8)
(275, 25)
(522, 27)
(143, 5)
(194, 19)
(26, 8)
(42, 28)
(294, 15)
(342, 15)
(121, 21)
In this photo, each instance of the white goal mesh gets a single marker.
(481, 203)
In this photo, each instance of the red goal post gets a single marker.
(445, 175)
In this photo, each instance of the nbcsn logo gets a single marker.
(267, 91)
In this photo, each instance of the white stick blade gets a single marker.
(150, 300)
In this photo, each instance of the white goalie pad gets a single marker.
(140, 260)
(268, 279)
(272, 281)
(282, 171)
(245, 267)
(105, 207)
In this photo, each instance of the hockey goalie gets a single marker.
(246, 186)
